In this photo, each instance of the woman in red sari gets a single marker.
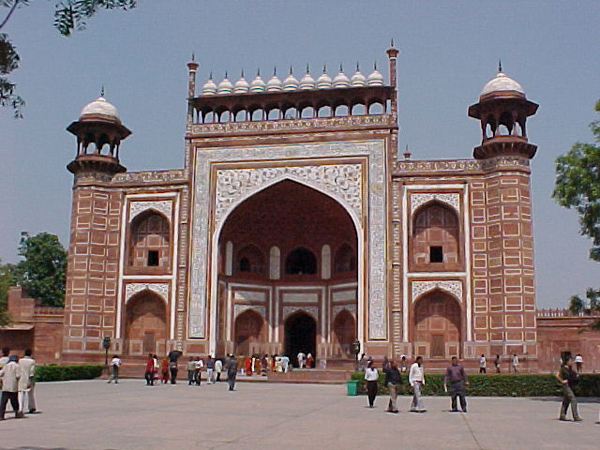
(165, 370)
(248, 366)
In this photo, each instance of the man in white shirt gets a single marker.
(482, 364)
(115, 363)
(514, 362)
(578, 362)
(27, 382)
(4, 358)
(301, 360)
(10, 373)
(416, 378)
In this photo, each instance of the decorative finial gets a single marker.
(499, 65)
(291, 70)
(374, 65)
(275, 71)
(341, 68)
(242, 73)
(258, 72)
(357, 67)
(102, 91)
(193, 56)
(324, 68)
(307, 68)
(210, 76)
(226, 74)
(392, 45)
(407, 153)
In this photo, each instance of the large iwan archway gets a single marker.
(437, 326)
(285, 249)
(145, 324)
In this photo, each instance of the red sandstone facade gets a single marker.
(293, 225)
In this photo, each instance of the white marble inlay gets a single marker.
(300, 297)
(256, 296)
(453, 287)
(239, 309)
(312, 311)
(344, 296)
(421, 198)
(162, 206)
(161, 289)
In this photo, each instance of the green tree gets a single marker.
(42, 272)
(7, 279)
(578, 187)
(69, 15)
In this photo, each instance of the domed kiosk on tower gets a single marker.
(99, 123)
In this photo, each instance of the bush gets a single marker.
(494, 385)
(53, 372)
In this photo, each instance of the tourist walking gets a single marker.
(514, 363)
(578, 362)
(231, 366)
(5, 356)
(191, 371)
(10, 375)
(115, 363)
(173, 369)
(164, 371)
(218, 369)
(386, 364)
(210, 369)
(416, 378)
(568, 378)
(393, 380)
(199, 364)
(362, 362)
(301, 360)
(455, 374)
(372, 379)
(310, 361)
(498, 363)
(149, 372)
(482, 364)
(27, 383)
(403, 365)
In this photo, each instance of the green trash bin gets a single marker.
(352, 387)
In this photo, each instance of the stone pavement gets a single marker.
(130, 416)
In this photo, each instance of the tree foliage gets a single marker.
(69, 15)
(7, 279)
(42, 272)
(578, 187)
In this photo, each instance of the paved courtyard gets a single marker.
(95, 415)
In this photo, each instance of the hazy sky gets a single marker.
(449, 51)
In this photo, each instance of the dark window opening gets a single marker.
(245, 265)
(436, 254)
(300, 262)
(152, 258)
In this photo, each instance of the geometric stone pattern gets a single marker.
(164, 207)
(453, 287)
(419, 199)
(161, 289)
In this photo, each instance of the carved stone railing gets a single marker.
(462, 165)
(563, 312)
(172, 175)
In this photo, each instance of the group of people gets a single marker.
(261, 364)
(455, 380)
(513, 364)
(17, 383)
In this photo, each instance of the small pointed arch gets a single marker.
(505, 124)
(301, 261)
(376, 106)
(345, 259)
(250, 259)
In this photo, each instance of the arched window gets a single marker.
(149, 245)
(301, 261)
(251, 260)
(345, 259)
(435, 238)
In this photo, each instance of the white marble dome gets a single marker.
(290, 83)
(375, 78)
(257, 85)
(274, 84)
(307, 81)
(209, 88)
(501, 83)
(241, 85)
(324, 80)
(99, 109)
(358, 79)
(225, 86)
(341, 80)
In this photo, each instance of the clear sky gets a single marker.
(450, 49)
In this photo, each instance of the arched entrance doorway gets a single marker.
(300, 336)
(248, 330)
(344, 329)
(437, 326)
(146, 324)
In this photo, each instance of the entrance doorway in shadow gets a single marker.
(300, 336)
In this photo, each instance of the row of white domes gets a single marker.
(291, 83)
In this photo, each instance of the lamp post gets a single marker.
(106, 345)
(356, 350)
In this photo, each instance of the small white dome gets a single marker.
(307, 81)
(225, 86)
(209, 88)
(257, 85)
(324, 80)
(358, 79)
(99, 109)
(375, 78)
(290, 83)
(241, 85)
(341, 80)
(274, 84)
(501, 83)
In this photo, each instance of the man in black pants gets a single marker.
(231, 366)
(458, 379)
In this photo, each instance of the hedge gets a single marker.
(53, 372)
(495, 385)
